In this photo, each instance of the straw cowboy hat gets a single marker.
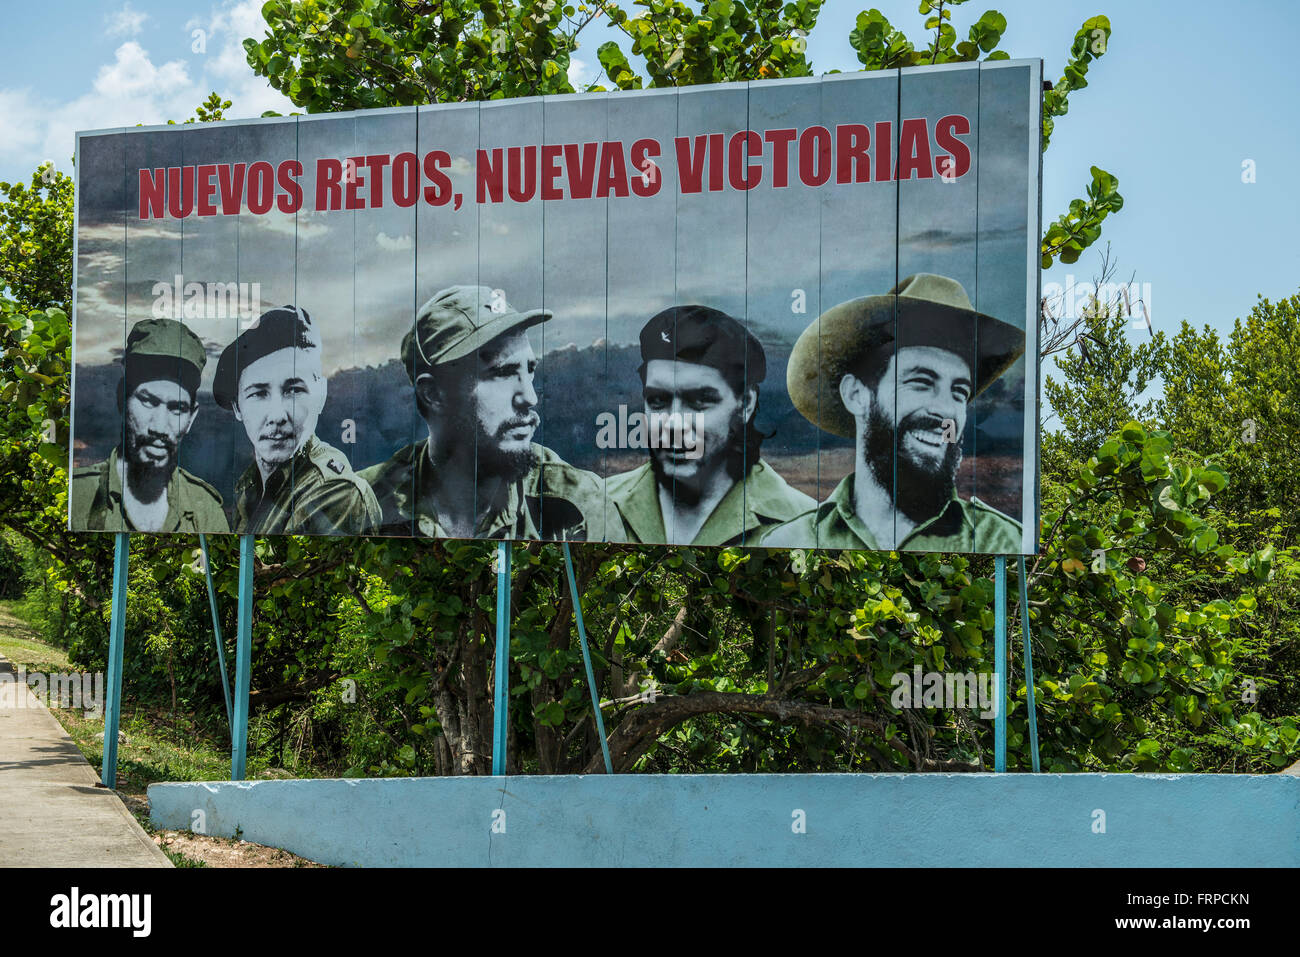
(931, 311)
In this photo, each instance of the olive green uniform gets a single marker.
(554, 501)
(962, 526)
(95, 502)
(749, 508)
(314, 493)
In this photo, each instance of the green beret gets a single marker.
(460, 320)
(163, 349)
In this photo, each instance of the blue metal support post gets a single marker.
(586, 660)
(1029, 664)
(216, 624)
(1000, 663)
(116, 648)
(243, 662)
(501, 699)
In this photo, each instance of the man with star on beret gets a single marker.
(898, 373)
(140, 487)
(271, 378)
(705, 483)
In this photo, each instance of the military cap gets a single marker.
(281, 328)
(930, 310)
(704, 336)
(163, 349)
(459, 320)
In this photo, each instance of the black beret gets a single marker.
(282, 328)
(707, 337)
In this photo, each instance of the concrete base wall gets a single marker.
(975, 820)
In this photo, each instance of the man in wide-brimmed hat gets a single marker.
(897, 373)
(479, 474)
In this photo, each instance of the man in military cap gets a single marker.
(705, 483)
(141, 488)
(271, 378)
(479, 474)
(904, 398)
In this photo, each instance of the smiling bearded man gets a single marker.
(908, 357)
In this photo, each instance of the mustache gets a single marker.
(921, 422)
(531, 420)
(153, 438)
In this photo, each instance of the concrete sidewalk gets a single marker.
(52, 813)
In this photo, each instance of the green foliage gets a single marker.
(881, 47)
(1090, 44)
(329, 55)
(1101, 386)
(1242, 399)
(211, 110)
(36, 240)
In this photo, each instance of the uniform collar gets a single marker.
(954, 519)
(512, 520)
(640, 506)
(116, 498)
(251, 481)
(744, 508)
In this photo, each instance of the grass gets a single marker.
(18, 643)
(160, 745)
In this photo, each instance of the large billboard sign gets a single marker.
(794, 313)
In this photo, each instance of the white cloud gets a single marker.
(133, 75)
(579, 74)
(139, 86)
(125, 22)
(393, 244)
(20, 126)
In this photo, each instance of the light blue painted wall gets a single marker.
(975, 820)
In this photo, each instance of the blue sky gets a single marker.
(1187, 93)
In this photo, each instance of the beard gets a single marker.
(508, 466)
(687, 490)
(924, 487)
(493, 461)
(148, 479)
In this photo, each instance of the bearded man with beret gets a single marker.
(140, 487)
(478, 473)
(271, 378)
(897, 373)
(705, 483)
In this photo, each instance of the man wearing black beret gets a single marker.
(898, 373)
(271, 378)
(141, 487)
(705, 483)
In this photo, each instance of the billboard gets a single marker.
(791, 313)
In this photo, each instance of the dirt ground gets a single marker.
(212, 851)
